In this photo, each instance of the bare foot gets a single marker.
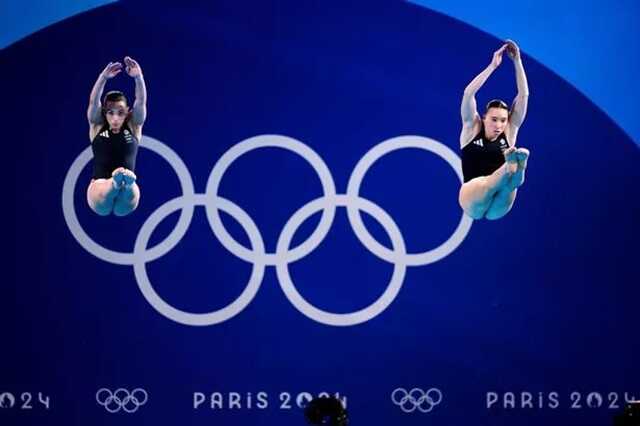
(511, 160)
(517, 179)
(118, 177)
(129, 177)
(523, 155)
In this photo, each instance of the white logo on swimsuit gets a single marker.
(256, 254)
(105, 134)
(127, 136)
(479, 143)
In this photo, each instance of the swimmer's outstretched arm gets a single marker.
(520, 102)
(94, 112)
(139, 113)
(469, 108)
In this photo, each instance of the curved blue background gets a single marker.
(540, 301)
(19, 19)
(593, 44)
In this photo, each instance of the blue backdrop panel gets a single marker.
(525, 320)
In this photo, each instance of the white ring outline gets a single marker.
(116, 257)
(353, 190)
(353, 318)
(188, 318)
(271, 141)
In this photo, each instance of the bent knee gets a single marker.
(101, 209)
(493, 216)
(475, 214)
(125, 208)
(119, 210)
(473, 210)
(476, 190)
(474, 198)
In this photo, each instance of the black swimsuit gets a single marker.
(482, 157)
(113, 150)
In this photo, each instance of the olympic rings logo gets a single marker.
(284, 253)
(122, 399)
(416, 399)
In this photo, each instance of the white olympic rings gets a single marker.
(416, 398)
(256, 254)
(122, 399)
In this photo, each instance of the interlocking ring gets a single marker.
(256, 253)
(122, 399)
(416, 398)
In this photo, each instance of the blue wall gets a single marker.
(536, 307)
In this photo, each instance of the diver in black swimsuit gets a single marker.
(492, 166)
(115, 133)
